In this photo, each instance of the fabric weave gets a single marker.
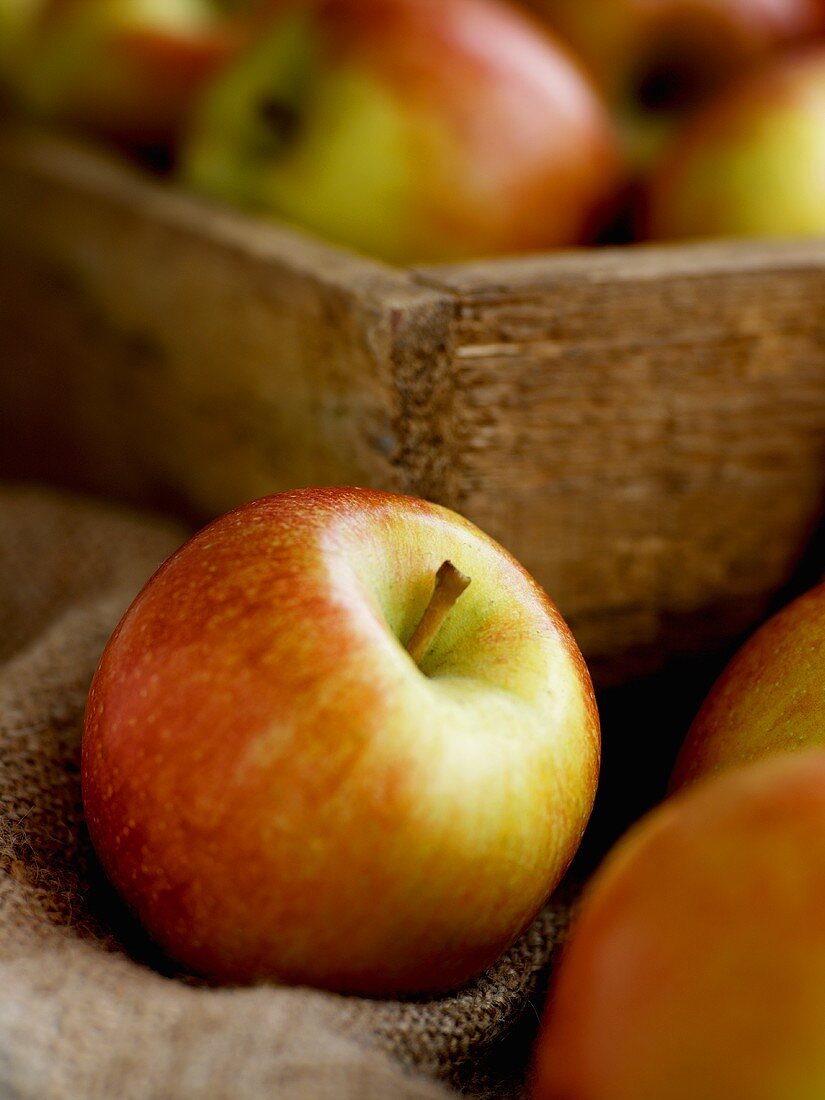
(89, 1009)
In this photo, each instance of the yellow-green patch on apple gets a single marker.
(751, 164)
(328, 149)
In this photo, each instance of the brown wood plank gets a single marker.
(170, 350)
(648, 426)
(644, 428)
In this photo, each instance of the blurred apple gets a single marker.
(751, 163)
(413, 130)
(770, 699)
(696, 967)
(658, 59)
(17, 20)
(127, 70)
(281, 790)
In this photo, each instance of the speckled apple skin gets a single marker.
(770, 699)
(696, 968)
(278, 791)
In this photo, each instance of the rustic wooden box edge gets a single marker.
(643, 427)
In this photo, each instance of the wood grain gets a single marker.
(169, 349)
(644, 428)
(651, 424)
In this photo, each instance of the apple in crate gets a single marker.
(753, 162)
(658, 59)
(127, 70)
(696, 966)
(17, 20)
(410, 129)
(770, 699)
(313, 754)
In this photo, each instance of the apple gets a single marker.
(752, 163)
(127, 70)
(696, 967)
(770, 699)
(658, 59)
(18, 18)
(281, 790)
(413, 130)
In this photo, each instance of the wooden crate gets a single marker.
(643, 427)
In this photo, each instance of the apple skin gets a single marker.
(412, 130)
(656, 60)
(279, 792)
(752, 163)
(18, 18)
(696, 967)
(770, 699)
(124, 70)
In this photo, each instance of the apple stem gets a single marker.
(450, 584)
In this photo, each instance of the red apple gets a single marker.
(770, 699)
(280, 790)
(696, 967)
(657, 59)
(752, 163)
(127, 70)
(414, 130)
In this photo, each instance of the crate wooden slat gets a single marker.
(644, 428)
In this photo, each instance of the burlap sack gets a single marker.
(88, 1009)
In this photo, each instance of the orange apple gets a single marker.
(770, 699)
(658, 59)
(696, 967)
(280, 789)
(127, 70)
(414, 130)
(753, 162)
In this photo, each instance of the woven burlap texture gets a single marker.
(88, 1009)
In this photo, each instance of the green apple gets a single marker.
(409, 129)
(125, 69)
(752, 163)
(770, 699)
(300, 764)
(696, 966)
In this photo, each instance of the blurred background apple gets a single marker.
(657, 60)
(127, 70)
(415, 130)
(752, 163)
(17, 20)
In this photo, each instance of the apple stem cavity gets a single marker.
(450, 585)
(281, 119)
